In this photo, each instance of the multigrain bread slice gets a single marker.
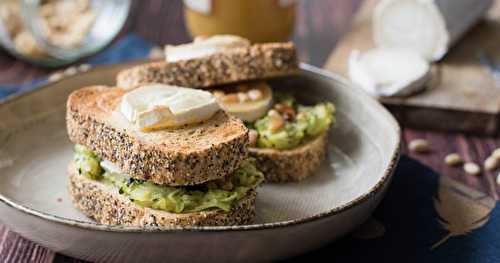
(291, 165)
(185, 156)
(105, 205)
(259, 61)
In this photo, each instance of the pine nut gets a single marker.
(70, 71)
(491, 163)
(279, 107)
(453, 159)
(276, 121)
(273, 113)
(472, 168)
(496, 153)
(56, 76)
(276, 124)
(419, 146)
(498, 179)
(84, 67)
(253, 135)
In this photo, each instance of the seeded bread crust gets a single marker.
(259, 61)
(293, 165)
(185, 156)
(105, 205)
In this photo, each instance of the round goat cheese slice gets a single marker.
(157, 106)
(203, 47)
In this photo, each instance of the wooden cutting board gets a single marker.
(462, 96)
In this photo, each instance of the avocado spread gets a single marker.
(299, 123)
(218, 194)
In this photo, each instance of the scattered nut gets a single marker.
(276, 124)
(279, 106)
(255, 94)
(491, 163)
(453, 159)
(472, 168)
(84, 67)
(498, 179)
(287, 111)
(276, 121)
(56, 76)
(243, 97)
(253, 135)
(70, 71)
(496, 153)
(419, 146)
(272, 113)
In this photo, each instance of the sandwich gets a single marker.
(287, 139)
(214, 61)
(159, 156)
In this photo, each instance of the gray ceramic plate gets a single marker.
(292, 218)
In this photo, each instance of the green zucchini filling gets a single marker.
(218, 194)
(301, 123)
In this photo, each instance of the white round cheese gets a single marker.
(203, 47)
(159, 106)
(389, 72)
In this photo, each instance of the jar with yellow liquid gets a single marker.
(256, 20)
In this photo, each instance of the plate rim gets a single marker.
(385, 179)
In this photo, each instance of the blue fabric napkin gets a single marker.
(421, 219)
(410, 215)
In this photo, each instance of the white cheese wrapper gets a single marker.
(429, 27)
(389, 72)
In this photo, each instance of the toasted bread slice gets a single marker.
(291, 165)
(105, 205)
(185, 156)
(259, 61)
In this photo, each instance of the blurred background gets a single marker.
(314, 26)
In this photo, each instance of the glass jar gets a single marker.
(256, 20)
(58, 32)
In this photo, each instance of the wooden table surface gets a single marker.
(319, 25)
